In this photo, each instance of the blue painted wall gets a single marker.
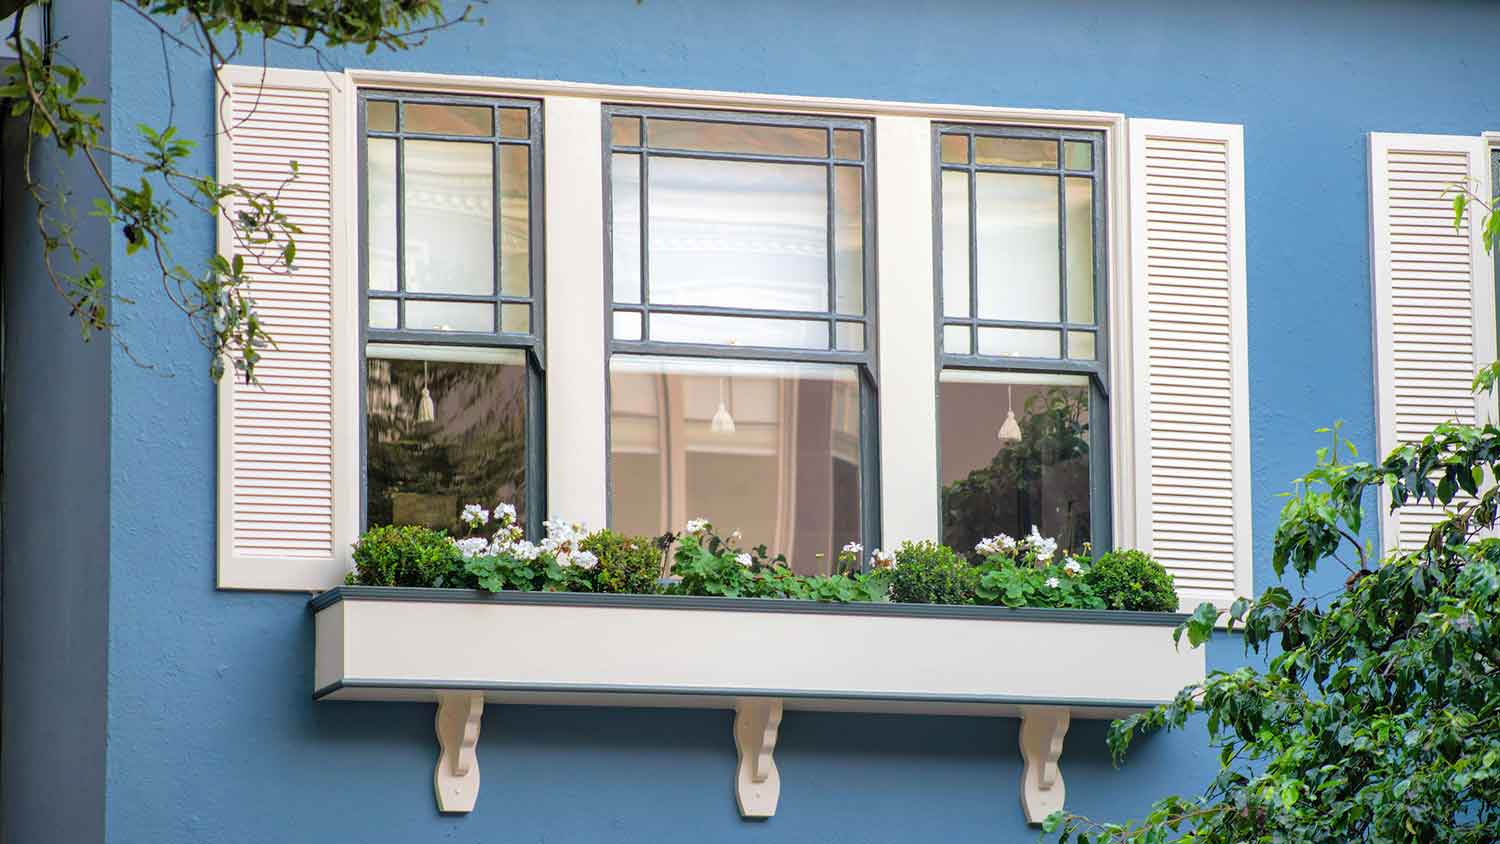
(212, 737)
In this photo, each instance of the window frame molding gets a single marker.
(574, 257)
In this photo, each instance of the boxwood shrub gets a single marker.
(929, 573)
(407, 555)
(1132, 580)
(629, 564)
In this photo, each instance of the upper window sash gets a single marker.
(800, 297)
(441, 289)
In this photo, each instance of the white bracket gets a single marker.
(1042, 787)
(456, 778)
(757, 785)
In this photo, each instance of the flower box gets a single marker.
(463, 649)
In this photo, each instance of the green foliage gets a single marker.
(406, 556)
(929, 573)
(1013, 584)
(1132, 580)
(628, 564)
(1377, 715)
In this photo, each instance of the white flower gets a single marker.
(1053, 583)
(474, 515)
(882, 559)
(743, 558)
(474, 546)
(735, 537)
(1073, 567)
(853, 548)
(585, 559)
(524, 551)
(696, 526)
(1044, 547)
(505, 513)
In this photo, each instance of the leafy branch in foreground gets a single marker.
(1377, 717)
(45, 91)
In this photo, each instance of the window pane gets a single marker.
(1014, 455)
(770, 450)
(1078, 155)
(442, 434)
(627, 325)
(515, 319)
(1081, 345)
(1015, 152)
(382, 313)
(955, 149)
(625, 131)
(1018, 240)
(381, 208)
(625, 235)
(732, 233)
(515, 221)
(846, 145)
(851, 337)
(1019, 342)
(450, 233)
(955, 244)
(450, 316)
(849, 238)
(1080, 193)
(380, 116)
(957, 340)
(448, 119)
(515, 123)
(739, 331)
(736, 137)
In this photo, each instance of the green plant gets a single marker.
(1132, 580)
(706, 564)
(929, 573)
(1015, 584)
(629, 564)
(407, 555)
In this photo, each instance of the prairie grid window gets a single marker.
(452, 306)
(1023, 384)
(741, 342)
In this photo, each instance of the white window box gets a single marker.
(755, 656)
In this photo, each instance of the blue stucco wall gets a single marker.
(212, 737)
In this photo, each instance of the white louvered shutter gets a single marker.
(1187, 203)
(1433, 298)
(286, 441)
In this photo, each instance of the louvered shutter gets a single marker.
(287, 441)
(1187, 221)
(1433, 299)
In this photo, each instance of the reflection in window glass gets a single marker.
(1015, 453)
(441, 433)
(450, 235)
(769, 449)
(743, 138)
(1018, 257)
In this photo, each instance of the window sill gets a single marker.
(463, 649)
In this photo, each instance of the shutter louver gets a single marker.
(282, 523)
(1188, 273)
(1432, 296)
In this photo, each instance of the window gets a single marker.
(453, 300)
(741, 350)
(1023, 382)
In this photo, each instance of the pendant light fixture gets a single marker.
(722, 423)
(426, 408)
(1010, 429)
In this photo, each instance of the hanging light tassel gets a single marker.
(722, 423)
(426, 408)
(1010, 429)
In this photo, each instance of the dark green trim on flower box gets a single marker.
(767, 605)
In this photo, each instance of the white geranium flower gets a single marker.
(1007, 544)
(744, 559)
(474, 515)
(882, 559)
(1043, 546)
(473, 546)
(1073, 567)
(505, 513)
(853, 548)
(1053, 583)
(585, 560)
(696, 526)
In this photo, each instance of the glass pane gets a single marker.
(515, 123)
(739, 331)
(382, 313)
(442, 434)
(736, 137)
(1078, 155)
(769, 450)
(1081, 345)
(955, 149)
(625, 227)
(957, 340)
(1014, 455)
(849, 238)
(450, 316)
(738, 234)
(450, 232)
(851, 337)
(380, 116)
(955, 244)
(381, 208)
(448, 119)
(625, 131)
(1018, 254)
(1016, 152)
(515, 221)
(1019, 342)
(515, 319)
(627, 325)
(846, 145)
(1080, 194)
